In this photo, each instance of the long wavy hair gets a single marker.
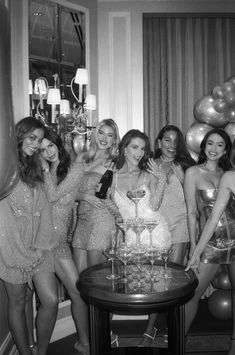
(64, 157)
(127, 138)
(224, 161)
(29, 166)
(112, 152)
(232, 155)
(182, 157)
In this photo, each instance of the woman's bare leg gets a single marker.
(16, 316)
(29, 315)
(206, 275)
(67, 272)
(46, 287)
(80, 259)
(95, 257)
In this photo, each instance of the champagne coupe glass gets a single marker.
(136, 196)
(124, 254)
(111, 255)
(165, 253)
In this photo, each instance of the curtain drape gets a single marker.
(184, 59)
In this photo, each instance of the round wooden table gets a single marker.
(143, 293)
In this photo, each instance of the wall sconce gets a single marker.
(81, 78)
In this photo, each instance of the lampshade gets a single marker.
(81, 76)
(64, 107)
(40, 87)
(53, 96)
(90, 102)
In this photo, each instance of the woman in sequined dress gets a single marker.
(26, 231)
(61, 181)
(217, 243)
(201, 187)
(95, 221)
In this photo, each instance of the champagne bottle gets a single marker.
(105, 183)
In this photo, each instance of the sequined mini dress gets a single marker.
(221, 247)
(161, 236)
(94, 224)
(173, 208)
(25, 233)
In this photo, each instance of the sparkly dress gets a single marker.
(174, 209)
(25, 232)
(161, 237)
(221, 247)
(62, 198)
(94, 224)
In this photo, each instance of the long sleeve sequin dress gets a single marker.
(94, 224)
(221, 247)
(25, 232)
(161, 237)
(62, 198)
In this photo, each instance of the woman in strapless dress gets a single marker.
(217, 241)
(201, 187)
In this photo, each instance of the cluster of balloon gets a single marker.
(211, 111)
(220, 301)
(8, 147)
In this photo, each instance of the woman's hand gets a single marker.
(44, 162)
(94, 201)
(193, 264)
(155, 169)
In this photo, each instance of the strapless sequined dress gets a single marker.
(94, 224)
(221, 247)
(161, 236)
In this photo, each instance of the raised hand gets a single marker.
(155, 169)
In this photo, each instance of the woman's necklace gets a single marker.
(166, 161)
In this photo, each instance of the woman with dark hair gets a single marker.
(134, 173)
(217, 240)
(201, 188)
(172, 155)
(26, 233)
(60, 181)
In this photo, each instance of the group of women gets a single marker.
(37, 217)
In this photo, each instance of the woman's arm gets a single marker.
(218, 209)
(190, 198)
(157, 184)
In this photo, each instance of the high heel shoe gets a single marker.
(114, 339)
(146, 342)
(82, 349)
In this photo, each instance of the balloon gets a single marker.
(218, 92)
(221, 280)
(204, 112)
(227, 87)
(8, 148)
(230, 98)
(195, 135)
(193, 154)
(230, 129)
(220, 304)
(231, 79)
(230, 115)
(220, 105)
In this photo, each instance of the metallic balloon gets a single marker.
(230, 129)
(221, 280)
(231, 115)
(193, 154)
(8, 147)
(195, 135)
(230, 98)
(204, 112)
(220, 304)
(220, 105)
(217, 92)
(227, 87)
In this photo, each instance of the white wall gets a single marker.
(120, 53)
